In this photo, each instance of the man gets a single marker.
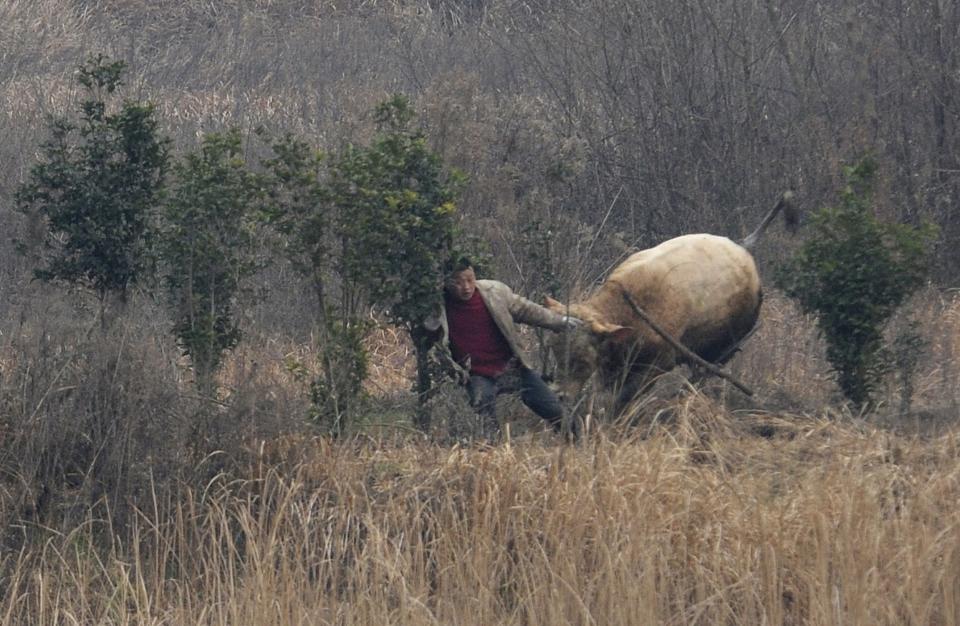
(477, 326)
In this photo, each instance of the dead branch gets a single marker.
(689, 354)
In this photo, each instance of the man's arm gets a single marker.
(529, 312)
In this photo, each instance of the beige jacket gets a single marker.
(506, 308)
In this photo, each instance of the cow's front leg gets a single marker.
(638, 382)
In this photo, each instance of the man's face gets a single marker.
(462, 284)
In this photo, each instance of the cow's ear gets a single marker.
(622, 335)
(553, 305)
(613, 332)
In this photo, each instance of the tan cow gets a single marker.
(701, 289)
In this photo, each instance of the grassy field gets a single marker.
(702, 522)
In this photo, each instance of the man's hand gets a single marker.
(572, 322)
(461, 373)
(433, 323)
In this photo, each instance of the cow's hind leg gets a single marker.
(734, 349)
(718, 356)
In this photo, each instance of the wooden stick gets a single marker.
(689, 354)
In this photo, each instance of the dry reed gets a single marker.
(820, 523)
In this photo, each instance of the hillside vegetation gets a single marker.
(586, 131)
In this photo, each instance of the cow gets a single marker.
(702, 290)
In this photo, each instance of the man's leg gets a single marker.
(541, 399)
(483, 398)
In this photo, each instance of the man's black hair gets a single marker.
(459, 264)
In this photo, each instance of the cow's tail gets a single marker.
(785, 204)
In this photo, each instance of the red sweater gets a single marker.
(474, 334)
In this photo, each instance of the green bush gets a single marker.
(299, 209)
(371, 227)
(335, 394)
(399, 218)
(853, 273)
(206, 245)
(97, 187)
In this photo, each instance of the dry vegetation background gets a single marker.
(588, 129)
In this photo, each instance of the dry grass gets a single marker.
(822, 523)
(697, 514)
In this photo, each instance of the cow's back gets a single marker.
(703, 289)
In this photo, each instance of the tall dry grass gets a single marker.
(704, 523)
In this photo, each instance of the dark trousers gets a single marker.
(533, 392)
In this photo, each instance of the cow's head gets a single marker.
(580, 351)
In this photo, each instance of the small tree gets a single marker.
(206, 247)
(398, 222)
(853, 273)
(343, 360)
(96, 186)
(299, 208)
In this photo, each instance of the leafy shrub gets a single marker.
(343, 360)
(206, 244)
(298, 208)
(97, 186)
(399, 218)
(853, 273)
